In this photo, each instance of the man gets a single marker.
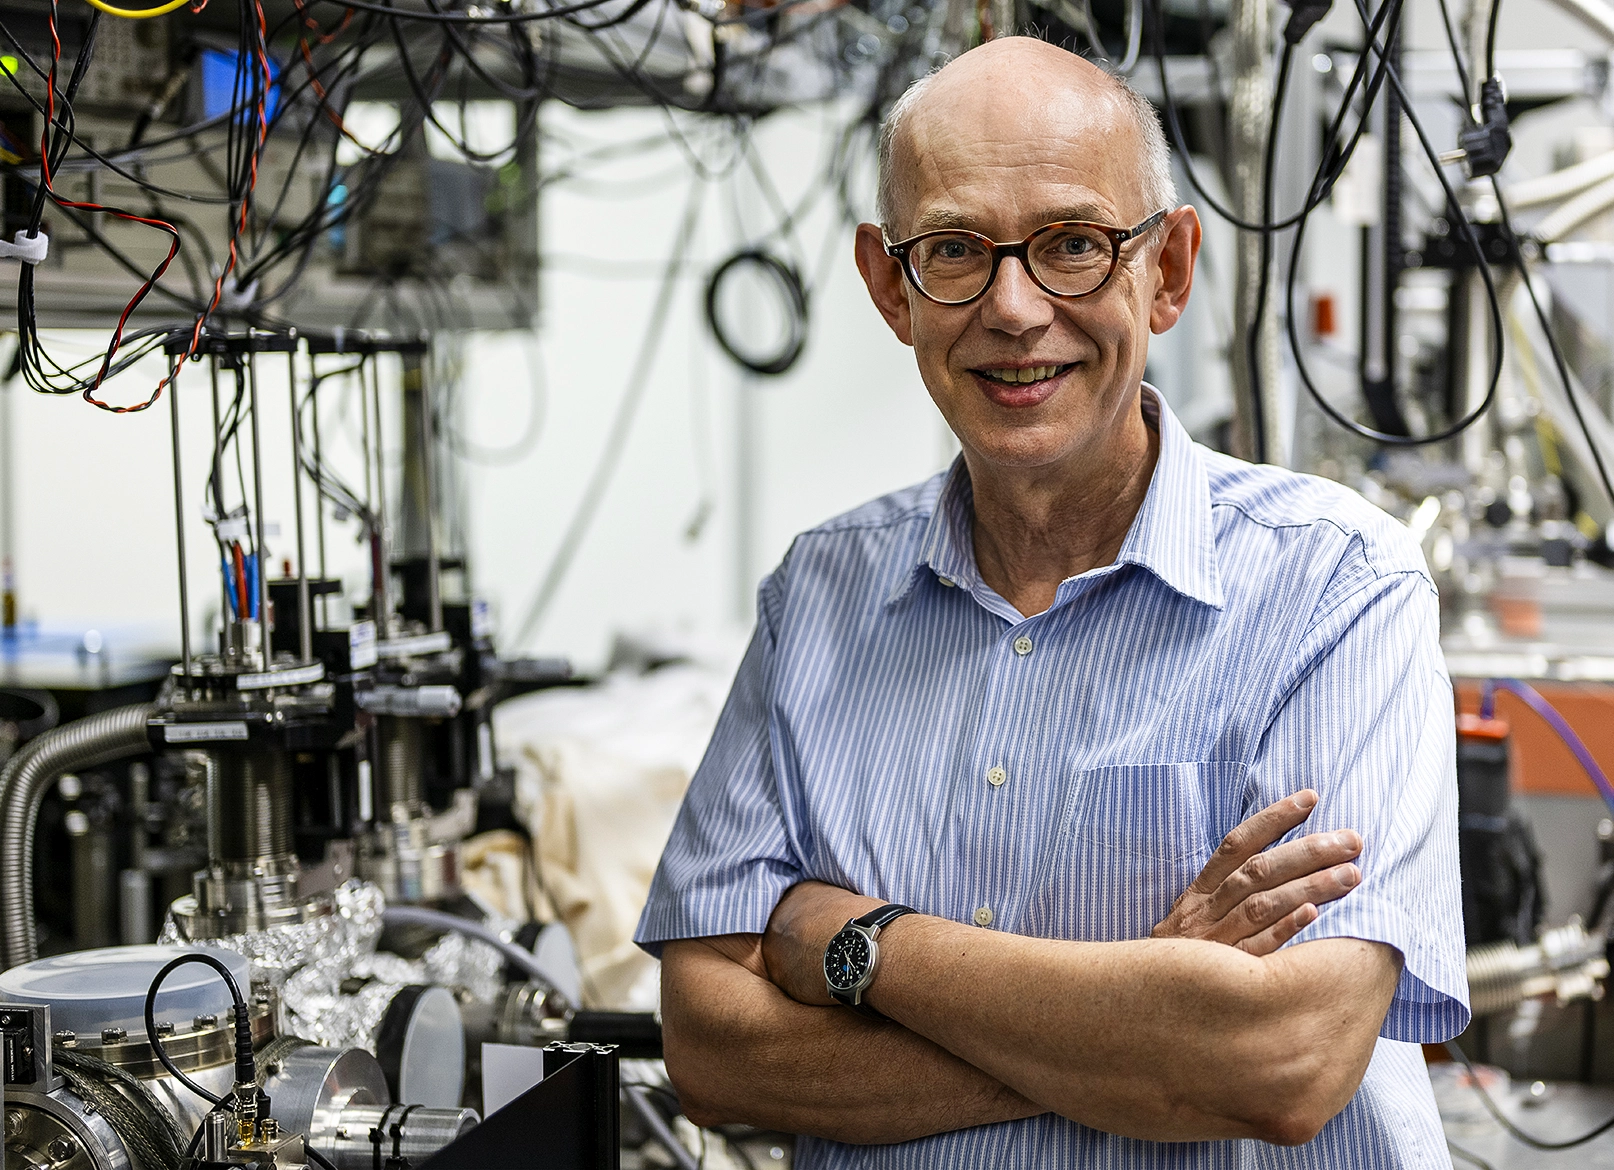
(1027, 700)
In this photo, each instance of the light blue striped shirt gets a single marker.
(1259, 632)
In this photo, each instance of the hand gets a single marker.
(1257, 901)
(806, 918)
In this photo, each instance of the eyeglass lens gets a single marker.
(1069, 260)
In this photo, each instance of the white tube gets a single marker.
(1561, 184)
(1569, 216)
(1594, 14)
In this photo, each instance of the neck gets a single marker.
(1035, 527)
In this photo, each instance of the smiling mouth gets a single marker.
(1024, 377)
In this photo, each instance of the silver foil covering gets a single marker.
(333, 941)
(308, 963)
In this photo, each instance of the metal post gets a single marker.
(218, 501)
(383, 558)
(434, 594)
(305, 611)
(319, 467)
(257, 493)
(179, 523)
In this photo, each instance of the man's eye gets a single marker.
(1075, 245)
(953, 250)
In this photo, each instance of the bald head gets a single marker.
(1007, 87)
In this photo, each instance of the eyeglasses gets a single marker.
(1068, 259)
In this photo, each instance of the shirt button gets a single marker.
(947, 581)
(1022, 645)
(995, 776)
(983, 916)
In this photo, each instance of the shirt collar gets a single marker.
(1171, 536)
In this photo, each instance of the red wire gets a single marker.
(240, 579)
(162, 225)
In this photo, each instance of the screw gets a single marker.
(67, 1038)
(271, 1129)
(165, 1028)
(62, 1149)
(205, 1020)
(113, 1035)
(13, 1122)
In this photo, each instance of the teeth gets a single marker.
(1034, 374)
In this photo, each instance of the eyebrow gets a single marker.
(941, 218)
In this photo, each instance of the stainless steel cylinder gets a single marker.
(249, 805)
(421, 1133)
(403, 745)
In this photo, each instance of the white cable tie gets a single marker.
(28, 249)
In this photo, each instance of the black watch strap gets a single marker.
(883, 916)
(874, 920)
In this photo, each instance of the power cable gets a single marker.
(1465, 231)
(1514, 1131)
(1252, 335)
(621, 424)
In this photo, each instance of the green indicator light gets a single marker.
(9, 64)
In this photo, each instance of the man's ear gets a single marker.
(1173, 268)
(883, 275)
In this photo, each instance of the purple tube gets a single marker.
(1533, 699)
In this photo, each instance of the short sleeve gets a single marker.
(1366, 719)
(729, 858)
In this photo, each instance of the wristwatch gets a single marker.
(852, 955)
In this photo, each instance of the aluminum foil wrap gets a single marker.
(319, 1009)
(333, 942)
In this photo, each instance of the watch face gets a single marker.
(846, 960)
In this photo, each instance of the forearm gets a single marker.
(739, 1050)
(1171, 1040)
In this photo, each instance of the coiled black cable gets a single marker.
(785, 277)
(246, 1072)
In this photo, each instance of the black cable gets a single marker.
(1252, 334)
(1514, 1131)
(1471, 1159)
(245, 1064)
(638, 379)
(1389, 14)
(1490, 42)
(466, 18)
(1558, 361)
(1465, 230)
(1456, 53)
(784, 277)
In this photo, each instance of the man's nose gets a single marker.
(1014, 304)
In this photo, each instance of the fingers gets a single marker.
(1313, 853)
(1253, 835)
(1280, 932)
(1260, 912)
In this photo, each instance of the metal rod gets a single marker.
(218, 503)
(259, 550)
(319, 478)
(383, 567)
(434, 585)
(305, 610)
(179, 523)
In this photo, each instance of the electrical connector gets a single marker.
(1303, 14)
(1486, 143)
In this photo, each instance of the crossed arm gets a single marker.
(1207, 1030)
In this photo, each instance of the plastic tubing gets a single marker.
(438, 920)
(1533, 699)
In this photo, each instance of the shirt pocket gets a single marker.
(1133, 837)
